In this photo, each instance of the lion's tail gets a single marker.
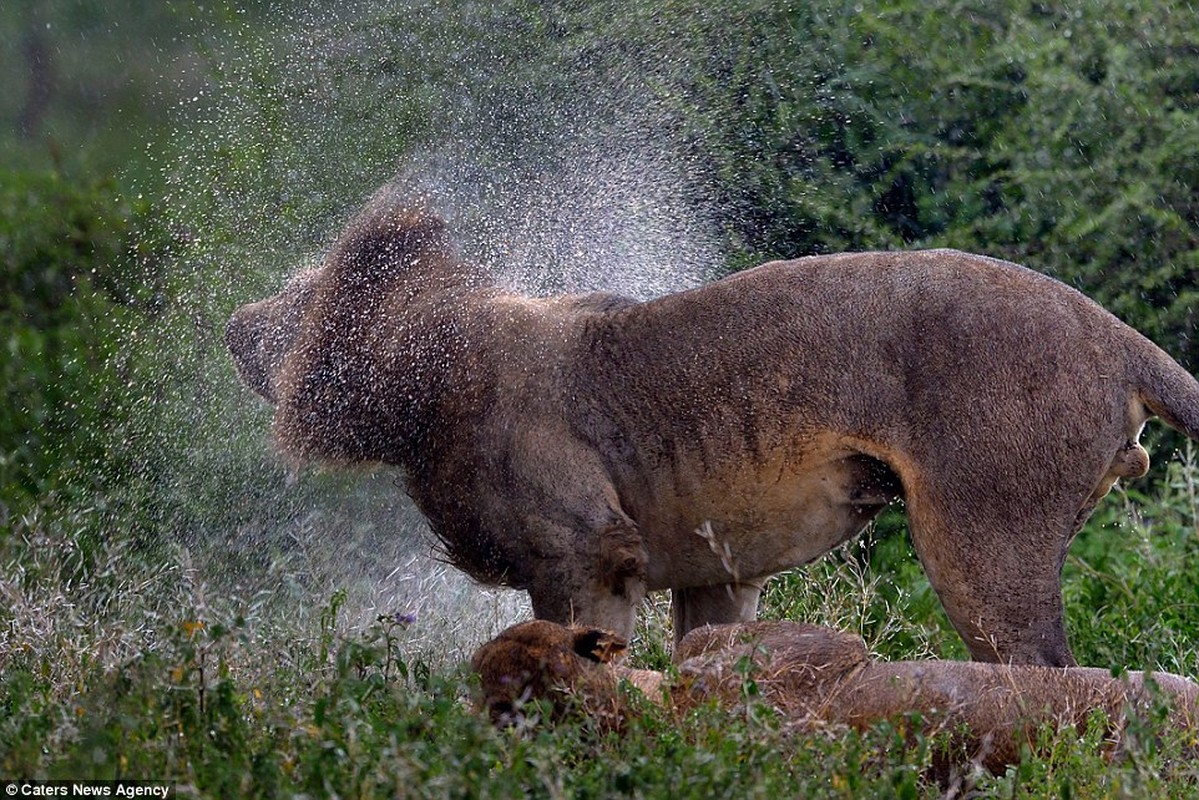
(1168, 390)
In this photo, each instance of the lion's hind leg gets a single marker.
(992, 517)
(997, 572)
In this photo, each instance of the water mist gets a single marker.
(551, 178)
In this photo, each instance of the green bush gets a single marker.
(1063, 140)
(67, 277)
(1131, 597)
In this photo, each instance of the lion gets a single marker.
(818, 676)
(573, 446)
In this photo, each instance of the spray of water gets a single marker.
(556, 173)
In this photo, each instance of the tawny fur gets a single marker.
(818, 677)
(543, 660)
(573, 446)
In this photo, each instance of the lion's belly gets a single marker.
(761, 521)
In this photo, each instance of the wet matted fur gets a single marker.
(573, 446)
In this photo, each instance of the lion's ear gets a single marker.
(598, 645)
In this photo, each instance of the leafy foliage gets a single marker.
(68, 273)
(1062, 139)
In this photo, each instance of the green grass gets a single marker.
(125, 666)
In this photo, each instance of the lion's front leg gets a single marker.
(587, 563)
(695, 606)
(600, 584)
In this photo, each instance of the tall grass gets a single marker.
(120, 666)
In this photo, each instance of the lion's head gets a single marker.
(307, 350)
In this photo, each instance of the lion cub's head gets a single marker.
(567, 666)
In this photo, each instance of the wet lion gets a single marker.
(573, 446)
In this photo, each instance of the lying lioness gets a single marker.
(573, 446)
(819, 676)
